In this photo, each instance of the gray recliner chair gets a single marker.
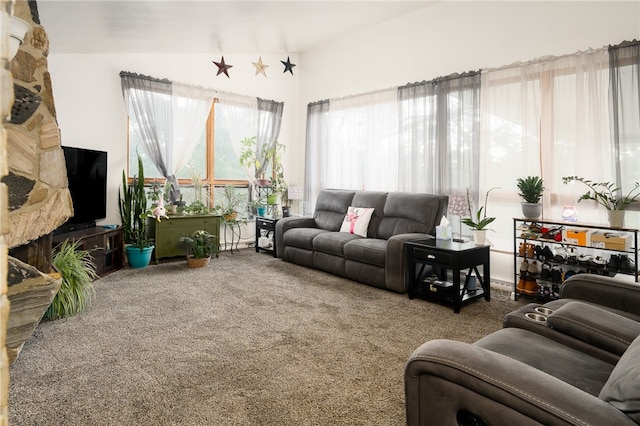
(573, 361)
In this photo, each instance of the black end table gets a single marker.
(434, 283)
(268, 225)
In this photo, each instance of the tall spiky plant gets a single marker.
(132, 205)
(78, 272)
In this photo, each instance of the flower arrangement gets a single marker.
(481, 220)
(606, 193)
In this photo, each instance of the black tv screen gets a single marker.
(87, 176)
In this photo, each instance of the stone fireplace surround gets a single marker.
(35, 196)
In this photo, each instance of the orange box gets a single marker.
(577, 237)
(612, 240)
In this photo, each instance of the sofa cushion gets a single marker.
(301, 237)
(367, 250)
(374, 199)
(333, 242)
(331, 206)
(407, 213)
(356, 221)
(622, 390)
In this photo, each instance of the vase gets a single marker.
(272, 199)
(139, 258)
(262, 211)
(531, 210)
(197, 262)
(479, 236)
(616, 218)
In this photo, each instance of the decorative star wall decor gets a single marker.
(222, 67)
(288, 66)
(260, 67)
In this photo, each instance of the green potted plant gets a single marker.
(479, 221)
(251, 158)
(132, 205)
(531, 189)
(78, 271)
(198, 206)
(230, 203)
(259, 205)
(608, 196)
(199, 248)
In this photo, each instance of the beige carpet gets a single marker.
(248, 340)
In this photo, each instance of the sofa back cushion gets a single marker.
(375, 200)
(331, 207)
(622, 390)
(408, 212)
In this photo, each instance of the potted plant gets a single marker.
(259, 206)
(251, 158)
(479, 221)
(531, 190)
(198, 206)
(199, 248)
(609, 196)
(230, 203)
(78, 271)
(132, 205)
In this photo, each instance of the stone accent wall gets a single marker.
(39, 200)
(6, 99)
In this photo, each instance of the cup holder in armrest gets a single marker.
(536, 317)
(543, 310)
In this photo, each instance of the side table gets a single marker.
(268, 227)
(442, 256)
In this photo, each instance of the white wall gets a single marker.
(450, 37)
(91, 113)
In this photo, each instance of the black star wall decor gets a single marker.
(288, 66)
(223, 68)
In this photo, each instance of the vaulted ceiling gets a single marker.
(206, 26)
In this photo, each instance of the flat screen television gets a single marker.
(87, 176)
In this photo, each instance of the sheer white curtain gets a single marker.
(439, 125)
(548, 118)
(361, 151)
(239, 114)
(317, 138)
(191, 106)
(624, 62)
(148, 103)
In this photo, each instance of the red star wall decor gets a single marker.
(222, 67)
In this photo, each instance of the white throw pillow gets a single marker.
(357, 220)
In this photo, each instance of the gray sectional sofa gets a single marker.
(572, 361)
(379, 259)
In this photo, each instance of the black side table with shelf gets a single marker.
(581, 256)
(443, 256)
(266, 227)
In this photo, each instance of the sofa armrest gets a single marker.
(444, 378)
(397, 274)
(286, 223)
(605, 291)
(589, 323)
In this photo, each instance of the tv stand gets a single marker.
(104, 245)
(70, 227)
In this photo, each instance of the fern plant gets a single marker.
(78, 272)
